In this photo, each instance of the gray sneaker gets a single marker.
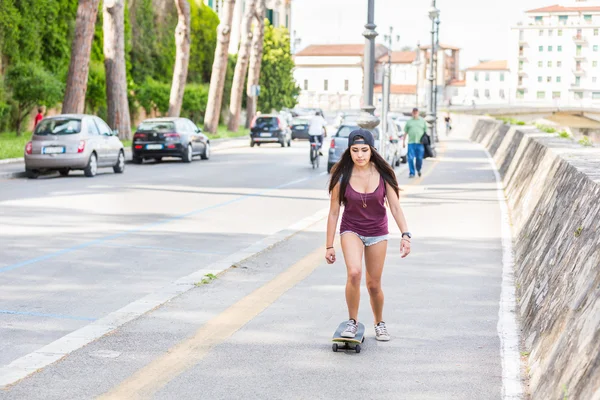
(381, 332)
(351, 328)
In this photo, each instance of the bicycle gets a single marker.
(314, 155)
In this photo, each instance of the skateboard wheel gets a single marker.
(334, 347)
(357, 349)
(363, 340)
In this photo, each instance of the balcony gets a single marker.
(522, 72)
(579, 72)
(522, 41)
(522, 56)
(579, 39)
(580, 56)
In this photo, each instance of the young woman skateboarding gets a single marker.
(361, 181)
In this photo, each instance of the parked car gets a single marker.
(300, 127)
(403, 151)
(270, 128)
(169, 137)
(339, 143)
(69, 142)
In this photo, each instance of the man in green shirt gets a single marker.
(414, 130)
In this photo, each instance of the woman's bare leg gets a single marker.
(353, 248)
(374, 260)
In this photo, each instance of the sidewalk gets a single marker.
(238, 337)
(16, 167)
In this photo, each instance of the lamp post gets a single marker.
(417, 63)
(385, 92)
(435, 90)
(434, 14)
(367, 119)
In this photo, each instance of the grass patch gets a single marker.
(511, 121)
(12, 146)
(223, 133)
(208, 278)
(545, 128)
(586, 141)
(564, 135)
(578, 231)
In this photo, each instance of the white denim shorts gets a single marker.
(368, 240)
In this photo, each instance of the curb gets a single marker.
(217, 145)
(27, 365)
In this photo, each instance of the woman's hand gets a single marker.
(404, 247)
(330, 256)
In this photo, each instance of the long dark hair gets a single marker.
(342, 171)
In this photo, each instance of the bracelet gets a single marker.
(329, 248)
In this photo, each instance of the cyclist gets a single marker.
(317, 129)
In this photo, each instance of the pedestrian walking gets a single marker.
(448, 122)
(414, 130)
(362, 181)
(38, 117)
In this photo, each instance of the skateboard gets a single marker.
(342, 343)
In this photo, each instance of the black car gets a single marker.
(300, 127)
(169, 137)
(270, 128)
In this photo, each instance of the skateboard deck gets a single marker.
(342, 343)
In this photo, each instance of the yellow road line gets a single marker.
(154, 376)
(436, 161)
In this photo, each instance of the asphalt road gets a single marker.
(75, 249)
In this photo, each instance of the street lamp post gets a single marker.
(435, 91)
(434, 14)
(367, 119)
(417, 63)
(385, 93)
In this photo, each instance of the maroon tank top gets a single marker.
(365, 221)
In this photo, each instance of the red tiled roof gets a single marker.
(398, 89)
(443, 46)
(490, 66)
(559, 8)
(400, 57)
(456, 82)
(336, 50)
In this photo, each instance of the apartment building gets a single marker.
(486, 83)
(556, 55)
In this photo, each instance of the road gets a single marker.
(75, 250)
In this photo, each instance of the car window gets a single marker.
(266, 122)
(345, 131)
(182, 127)
(300, 121)
(192, 127)
(58, 126)
(102, 127)
(157, 126)
(92, 129)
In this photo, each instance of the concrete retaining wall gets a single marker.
(553, 191)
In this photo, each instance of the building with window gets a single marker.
(556, 54)
(486, 83)
(279, 14)
(331, 76)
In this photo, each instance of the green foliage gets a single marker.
(32, 85)
(545, 128)
(194, 103)
(511, 121)
(586, 141)
(153, 96)
(204, 23)
(95, 97)
(277, 85)
(564, 135)
(12, 146)
(231, 60)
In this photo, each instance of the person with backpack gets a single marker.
(414, 130)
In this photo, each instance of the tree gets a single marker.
(241, 68)
(74, 101)
(219, 70)
(255, 59)
(114, 62)
(32, 85)
(278, 87)
(204, 23)
(182, 57)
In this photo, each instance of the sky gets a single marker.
(481, 28)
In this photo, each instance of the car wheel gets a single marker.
(92, 167)
(32, 174)
(252, 143)
(206, 154)
(119, 167)
(137, 160)
(188, 155)
(329, 167)
(158, 159)
(404, 160)
(289, 143)
(64, 171)
(397, 162)
(282, 142)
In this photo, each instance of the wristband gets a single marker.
(329, 248)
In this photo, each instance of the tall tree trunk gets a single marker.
(255, 59)
(114, 63)
(219, 70)
(85, 22)
(241, 68)
(182, 57)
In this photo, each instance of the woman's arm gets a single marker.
(332, 220)
(396, 209)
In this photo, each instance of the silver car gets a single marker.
(73, 141)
